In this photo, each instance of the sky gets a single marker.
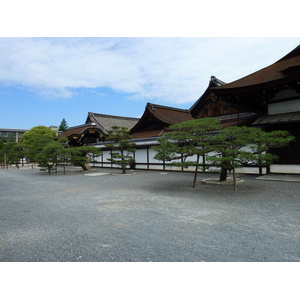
(43, 80)
(63, 59)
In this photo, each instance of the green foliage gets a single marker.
(120, 142)
(58, 153)
(37, 145)
(49, 156)
(63, 125)
(80, 155)
(228, 148)
(31, 135)
(14, 153)
(186, 139)
(230, 151)
(40, 147)
(34, 140)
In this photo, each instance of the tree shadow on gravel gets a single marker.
(182, 186)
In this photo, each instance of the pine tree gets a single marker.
(120, 138)
(186, 140)
(49, 156)
(228, 148)
(63, 125)
(246, 146)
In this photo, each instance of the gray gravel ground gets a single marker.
(145, 216)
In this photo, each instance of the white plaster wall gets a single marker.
(288, 169)
(151, 157)
(141, 157)
(106, 155)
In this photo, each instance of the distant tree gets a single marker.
(15, 153)
(53, 153)
(1, 143)
(122, 147)
(36, 146)
(63, 125)
(36, 139)
(30, 136)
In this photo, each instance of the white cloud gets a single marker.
(170, 70)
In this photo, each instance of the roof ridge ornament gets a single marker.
(151, 106)
(215, 80)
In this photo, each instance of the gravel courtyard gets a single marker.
(146, 216)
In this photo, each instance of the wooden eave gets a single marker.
(147, 133)
(279, 83)
(77, 131)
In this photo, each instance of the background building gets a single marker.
(11, 135)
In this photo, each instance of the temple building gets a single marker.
(208, 105)
(156, 118)
(268, 98)
(273, 94)
(95, 129)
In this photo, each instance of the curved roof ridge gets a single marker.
(279, 71)
(152, 106)
(79, 126)
(111, 116)
(293, 53)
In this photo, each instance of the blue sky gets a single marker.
(43, 80)
(62, 59)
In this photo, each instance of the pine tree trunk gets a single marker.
(196, 171)
(84, 167)
(124, 168)
(234, 180)
(223, 175)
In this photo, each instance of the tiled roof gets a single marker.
(278, 119)
(156, 118)
(76, 130)
(168, 115)
(106, 122)
(282, 71)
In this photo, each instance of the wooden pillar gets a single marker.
(111, 163)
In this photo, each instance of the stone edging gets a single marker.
(216, 181)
